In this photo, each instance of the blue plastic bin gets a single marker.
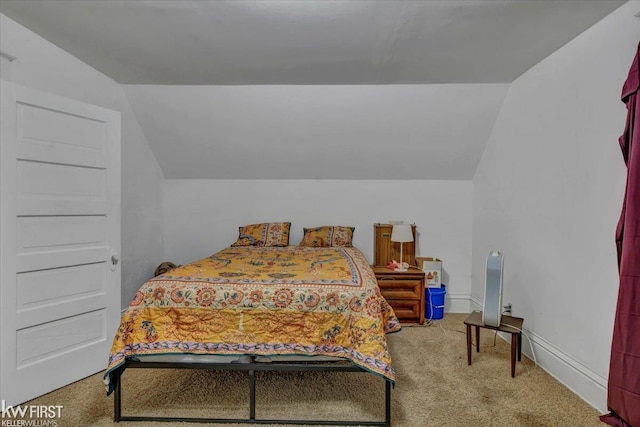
(434, 302)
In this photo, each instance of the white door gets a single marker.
(59, 240)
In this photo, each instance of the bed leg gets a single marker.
(117, 409)
(387, 401)
(252, 395)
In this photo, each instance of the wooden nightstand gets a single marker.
(404, 291)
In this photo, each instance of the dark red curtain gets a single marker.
(624, 370)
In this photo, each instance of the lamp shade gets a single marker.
(402, 233)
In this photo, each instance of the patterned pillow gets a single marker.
(328, 236)
(264, 234)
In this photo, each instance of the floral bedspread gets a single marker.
(262, 301)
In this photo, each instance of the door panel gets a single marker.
(53, 339)
(55, 127)
(53, 181)
(46, 295)
(60, 232)
(59, 224)
(39, 289)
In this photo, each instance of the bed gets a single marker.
(294, 307)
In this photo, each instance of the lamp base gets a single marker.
(401, 269)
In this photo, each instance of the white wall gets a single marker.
(43, 66)
(548, 193)
(203, 216)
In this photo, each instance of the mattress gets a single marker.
(267, 302)
(213, 358)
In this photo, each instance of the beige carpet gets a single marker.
(435, 387)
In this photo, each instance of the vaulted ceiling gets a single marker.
(318, 132)
(446, 66)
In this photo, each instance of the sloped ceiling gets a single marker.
(318, 132)
(312, 89)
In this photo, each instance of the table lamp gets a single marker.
(401, 233)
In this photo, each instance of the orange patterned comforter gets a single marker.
(262, 301)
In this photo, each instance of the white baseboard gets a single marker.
(475, 303)
(457, 303)
(587, 384)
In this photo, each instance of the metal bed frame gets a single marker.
(251, 368)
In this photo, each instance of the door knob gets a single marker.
(115, 258)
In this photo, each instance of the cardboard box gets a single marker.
(432, 268)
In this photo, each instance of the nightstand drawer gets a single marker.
(407, 311)
(404, 291)
(400, 289)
